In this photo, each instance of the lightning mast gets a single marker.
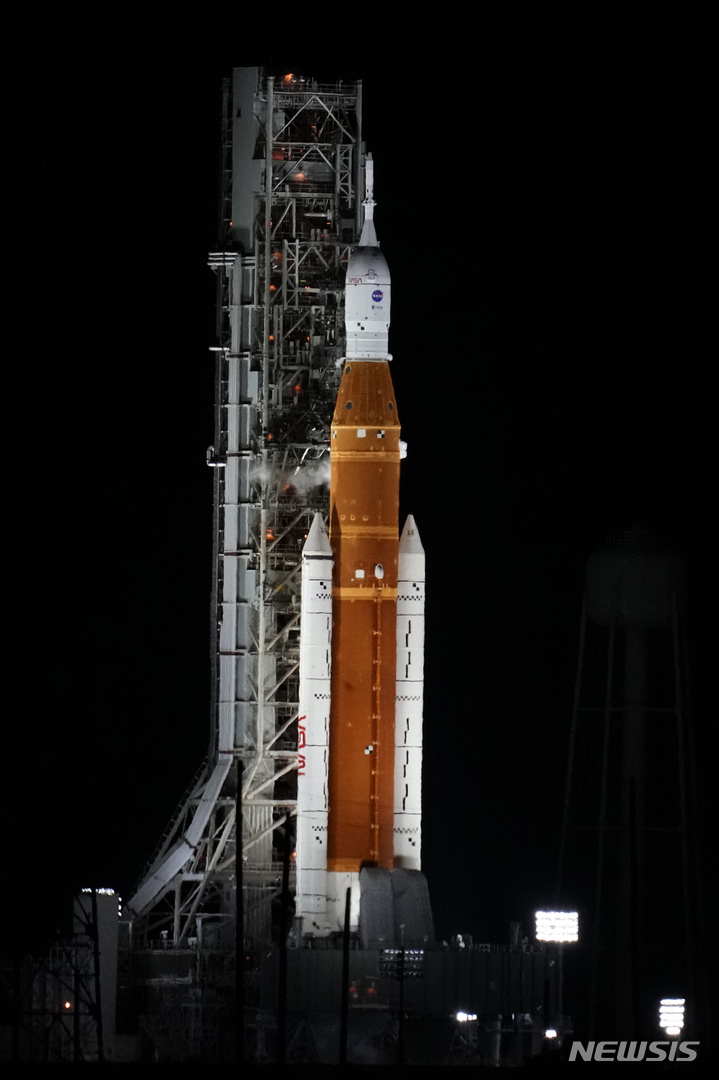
(290, 212)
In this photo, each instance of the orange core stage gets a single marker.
(364, 516)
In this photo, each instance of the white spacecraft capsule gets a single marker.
(367, 290)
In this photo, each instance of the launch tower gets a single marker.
(289, 214)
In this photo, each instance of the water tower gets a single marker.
(627, 860)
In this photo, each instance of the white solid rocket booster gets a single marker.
(410, 696)
(313, 728)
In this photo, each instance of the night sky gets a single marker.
(543, 197)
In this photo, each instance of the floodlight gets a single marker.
(671, 1015)
(557, 925)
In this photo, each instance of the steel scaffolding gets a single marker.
(290, 207)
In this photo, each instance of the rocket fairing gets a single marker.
(361, 652)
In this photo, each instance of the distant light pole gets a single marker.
(558, 927)
(400, 964)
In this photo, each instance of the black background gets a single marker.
(544, 195)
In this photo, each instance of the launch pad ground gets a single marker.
(482, 1005)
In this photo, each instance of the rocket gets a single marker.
(362, 630)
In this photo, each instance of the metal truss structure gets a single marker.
(58, 1011)
(290, 212)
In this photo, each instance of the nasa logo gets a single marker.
(377, 295)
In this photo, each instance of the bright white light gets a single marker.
(550, 1033)
(463, 1017)
(101, 892)
(410, 954)
(557, 925)
(671, 1015)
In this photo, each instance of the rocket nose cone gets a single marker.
(317, 542)
(409, 541)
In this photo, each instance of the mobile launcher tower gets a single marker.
(311, 713)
